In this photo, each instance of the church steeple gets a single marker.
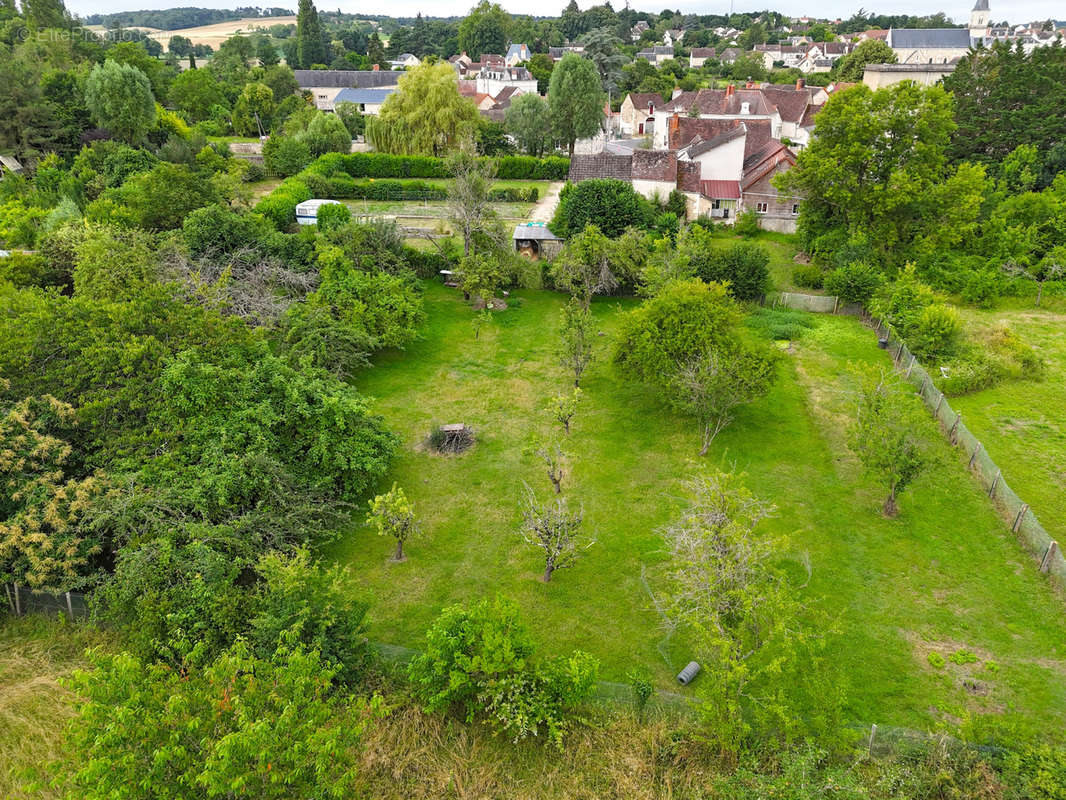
(979, 21)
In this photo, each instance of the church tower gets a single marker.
(979, 22)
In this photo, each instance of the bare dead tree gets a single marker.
(576, 339)
(470, 208)
(555, 529)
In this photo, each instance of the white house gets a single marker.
(493, 80)
(369, 101)
(404, 60)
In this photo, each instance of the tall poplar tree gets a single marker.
(575, 99)
(310, 48)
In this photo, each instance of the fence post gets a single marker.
(18, 604)
(995, 480)
(70, 608)
(925, 382)
(973, 456)
(10, 600)
(1018, 519)
(910, 366)
(899, 351)
(955, 428)
(1045, 562)
(939, 400)
(836, 304)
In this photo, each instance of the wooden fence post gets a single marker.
(973, 456)
(70, 608)
(939, 400)
(18, 604)
(925, 382)
(10, 599)
(910, 366)
(955, 428)
(1045, 562)
(1018, 519)
(995, 480)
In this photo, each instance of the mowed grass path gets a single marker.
(1022, 423)
(945, 575)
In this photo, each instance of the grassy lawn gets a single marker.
(1022, 423)
(945, 575)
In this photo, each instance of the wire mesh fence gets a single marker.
(1015, 511)
(22, 600)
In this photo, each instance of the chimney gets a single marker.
(651, 107)
(730, 90)
(750, 84)
(675, 122)
(800, 83)
(377, 67)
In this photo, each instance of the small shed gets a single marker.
(534, 241)
(307, 211)
(11, 163)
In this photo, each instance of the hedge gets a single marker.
(383, 165)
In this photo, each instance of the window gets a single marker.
(795, 208)
(716, 203)
(761, 208)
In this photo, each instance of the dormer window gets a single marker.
(745, 108)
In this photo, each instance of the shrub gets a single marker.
(675, 204)
(780, 323)
(747, 224)
(31, 269)
(855, 282)
(963, 656)
(479, 660)
(611, 205)
(253, 173)
(285, 155)
(982, 289)
(426, 263)
(744, 266)
(936, 333)
(280, 205)
(936, 660)
(808, 276)
(217, 229)
(333, 215)
(667, 225)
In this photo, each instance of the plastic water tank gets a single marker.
(686, 676)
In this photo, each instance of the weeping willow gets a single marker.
(427, 116)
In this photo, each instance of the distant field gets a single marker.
(217, 33)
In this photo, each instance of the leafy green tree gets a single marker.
(602, 49)
(711, 385)
(485, 29)
(874, 168)
(470, 207)
(583, 268)
(481, 276)
(266, 52)
(180, 46)
(872, 51)
(563, 407)
(333, 215)
(353, 119)
(113, 262)
(253, 110)
(286, 155)
(540, 67)
(743, 621)
(158, 73)
(393, 515)
(197, 92)
(855, 282)
(575, 99)
(528, 121)
(427, 116)
(375, 49)
(611, 205)
(120, 98)
(743, 266)
(162, 198)
(326, 133)
(889, 436)
(274, 727)
(310, 46)
(576, 337)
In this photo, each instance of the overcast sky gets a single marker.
(1016, 11)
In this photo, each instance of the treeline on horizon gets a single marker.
(191, 17)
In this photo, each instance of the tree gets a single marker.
(120, 98)
(484, 29)
(712, 384)
(575, 99)
(310, 46)
(888, 438)
(556, 530)
(583, 268)
(375, 50)
(393, 515)
(601, 48)
(162, 198)
(576, 336)
(743, 266)
(273, 727)
(253, 110)
(470, 207)
(427, 116)
(610, 205)
(1050, 268)
(540, 67)
(551, 453)
(877, 168)
(266, 52)
(197, 92)
(527, 119)
(742, 619)
(180, 46)
(563, 407)
(480, 277)
(872, 51)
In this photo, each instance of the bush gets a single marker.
(333, 215)
(217, 229)
(285, 155)
(479, 660)
(280, 205)
(426, 263)
(747, 224)
(780, 324)
(253, 173)
(982, 289)
(743, 265)
(675, 204)
(808, 276)
(936, 333)
(31, 269)
(853, 283)
(611, 205)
